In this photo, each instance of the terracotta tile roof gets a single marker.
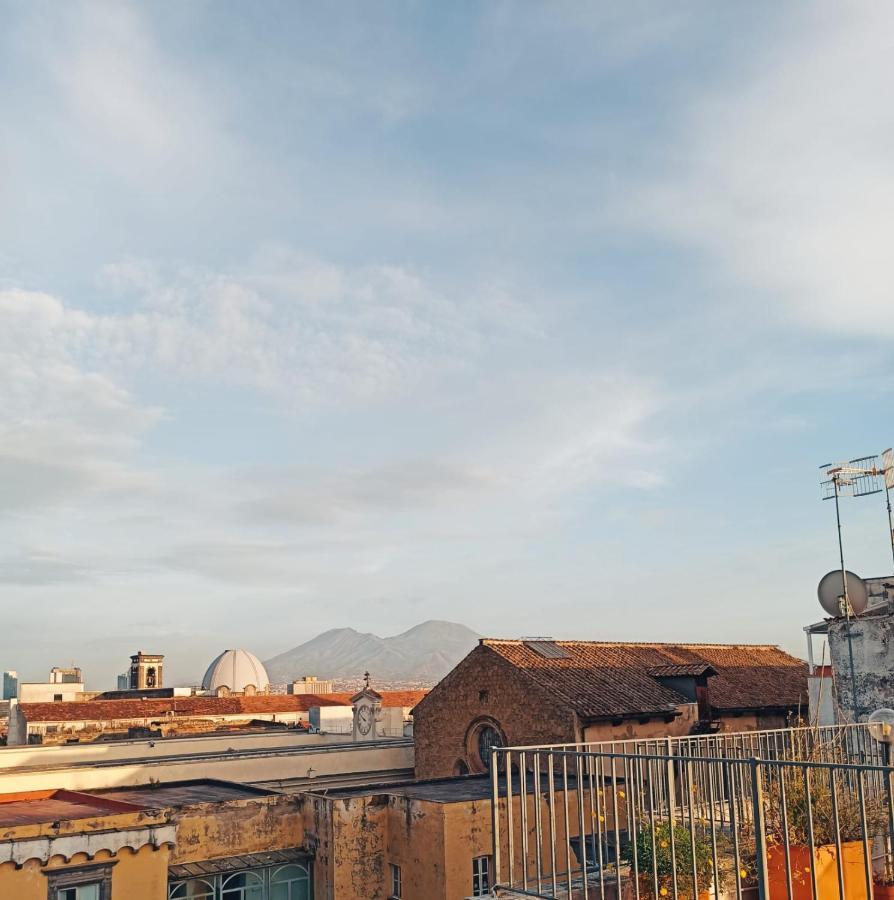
(185, 707)
(389, 698)
(607, 680)
(35, 807)
(692, 670)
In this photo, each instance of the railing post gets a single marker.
(671, 782)
(760, 832)
(495, 815)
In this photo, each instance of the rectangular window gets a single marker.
(481, 876)
(84, 892)
(395, 882)
(57, 698)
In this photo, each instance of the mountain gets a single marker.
(425, 653)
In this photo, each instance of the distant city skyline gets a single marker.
(540, 319)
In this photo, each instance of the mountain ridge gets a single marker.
(424, 653)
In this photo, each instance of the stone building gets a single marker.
(146, 671)
(516, 692)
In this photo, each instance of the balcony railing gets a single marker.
(792, 814)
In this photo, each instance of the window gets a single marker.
(488, 738)
(81, 883)
(85, 892)
(481, 876)
(194, 889)
(243, 886)
(286, 881)
(395, 882)
(57, 698)
(290, 883)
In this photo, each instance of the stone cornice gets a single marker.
(90, 843)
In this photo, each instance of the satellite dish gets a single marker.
(831, 593)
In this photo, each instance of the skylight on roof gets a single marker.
(548, 649)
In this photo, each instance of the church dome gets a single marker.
(235, 671)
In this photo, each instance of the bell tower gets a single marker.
(367, 712)
(146, 671)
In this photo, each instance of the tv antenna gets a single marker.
(860, 477)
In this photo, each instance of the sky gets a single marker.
(538, 317)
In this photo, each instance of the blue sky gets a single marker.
(538, 317)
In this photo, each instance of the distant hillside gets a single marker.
(426, 652)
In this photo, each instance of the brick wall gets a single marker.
(483, 687)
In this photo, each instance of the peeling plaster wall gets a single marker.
(871, 637)
(213, 830)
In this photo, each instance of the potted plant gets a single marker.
(655, 859)
(883, 887)
(818, 858)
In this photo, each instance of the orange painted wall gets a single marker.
(136, 876)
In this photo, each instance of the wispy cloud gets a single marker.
(782, 172)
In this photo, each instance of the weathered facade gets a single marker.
(205, 839)
(152, 843)
(542, 692)
(872, 643)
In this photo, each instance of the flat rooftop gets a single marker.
(459, 789)
(181, 793)
(38, 807)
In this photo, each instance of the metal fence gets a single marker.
(793, 814)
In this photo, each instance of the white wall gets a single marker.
(45, 691)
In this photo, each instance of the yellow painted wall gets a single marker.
(136, 876)
(210, 831)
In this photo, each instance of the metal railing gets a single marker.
(793, 814)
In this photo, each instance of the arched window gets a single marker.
(194, 889)
(290, 883)
(488, 738)
(243, 886)
(460, 767)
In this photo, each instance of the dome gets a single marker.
(235, 670)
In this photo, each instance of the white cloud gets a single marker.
(783, 173)
(132, 104)
(287, 324)
(64, 429)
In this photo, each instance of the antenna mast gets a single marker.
(839, 478)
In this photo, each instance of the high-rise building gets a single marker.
(145, 671)
(71, 675)
(124, 681)
(10, 685)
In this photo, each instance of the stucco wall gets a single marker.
(871, 638)
(214, 830)
(136, 876)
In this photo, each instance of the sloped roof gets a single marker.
(608, 680)
(692, 670)
(184, 707)
(389, 698)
